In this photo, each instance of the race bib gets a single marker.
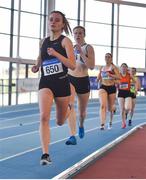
(52, 66)
(123, 86)
(132, 87)
(78, 58)
(104, 75)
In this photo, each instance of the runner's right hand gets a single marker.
(35, 69)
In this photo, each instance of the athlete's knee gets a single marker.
(128, 109)
(44, 117)
(83, 115)
(103, 106)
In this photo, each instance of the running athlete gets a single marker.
(107, 91)
(124, 97)
(56, 56)
(135, 86)
(80, 85)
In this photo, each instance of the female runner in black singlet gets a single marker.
(56, 56)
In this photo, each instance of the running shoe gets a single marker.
(130, 122)
(110, 125)
(81, 132)
(102, 127)
(71, 141)
(123, 125)
(45, 159)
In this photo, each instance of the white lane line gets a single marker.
(19, 154)
(54, 111)
(30, 150)
(36, 148)
(19, 110)
(33, 108)
(36, 122)
(2, 119)
(19, 135)
(24, 134)
(29, 116)
(18, 125)
(20, 117)
(15, 118)
(37, 114)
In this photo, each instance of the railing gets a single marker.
(4, 89)
(29, 93)
(14, 96)
(17, 96)
(26, 90)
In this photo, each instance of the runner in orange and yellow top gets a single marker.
(124, 96)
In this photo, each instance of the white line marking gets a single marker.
(24, 134)
(30, 150)
(10, 137)
(28, 116)
(35, 122)
(19, 154)
(34, 108)
(18, 125)
(19, 117)
(20, 110)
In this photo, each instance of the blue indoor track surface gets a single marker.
(20, 149)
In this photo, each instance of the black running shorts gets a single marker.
(60, 86)
(81, 84)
